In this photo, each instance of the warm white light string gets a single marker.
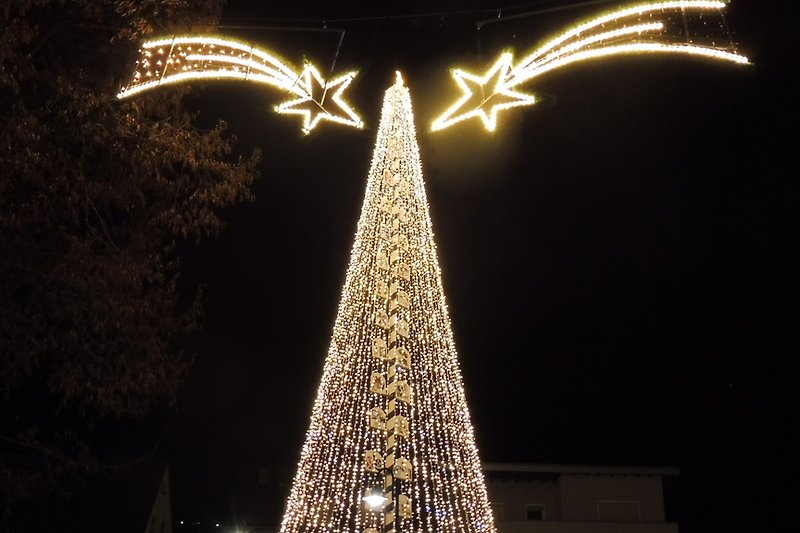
(180, 59)
(640, 29)
(619, 17)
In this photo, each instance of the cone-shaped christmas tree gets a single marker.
(390, 445)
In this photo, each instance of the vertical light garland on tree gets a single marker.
(391, 412)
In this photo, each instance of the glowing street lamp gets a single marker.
(374, 498)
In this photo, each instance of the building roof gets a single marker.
(533, 468)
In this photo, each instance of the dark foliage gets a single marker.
(96, 196)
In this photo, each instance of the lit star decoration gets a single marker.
(312, 106)
(676, 27)
(390, 446)
(181, 59)
(490, 92)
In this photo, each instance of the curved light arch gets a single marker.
(185, 58)
(652, 28)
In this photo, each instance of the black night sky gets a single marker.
(616, 260)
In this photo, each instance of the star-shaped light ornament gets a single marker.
(484, 96)
(318, 100)
(650, 28)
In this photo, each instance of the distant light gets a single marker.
(217, 524)
(181, 522)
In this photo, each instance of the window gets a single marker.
(619, 511)
(534, 511)
(497, 510)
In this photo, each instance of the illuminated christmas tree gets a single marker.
(390, 445)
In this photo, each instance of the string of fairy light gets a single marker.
(393, 273)
(647, 28)
(184, 58)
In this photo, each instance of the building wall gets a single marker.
(611, 498)
(579, 502)
(516, 494)
(548, 526)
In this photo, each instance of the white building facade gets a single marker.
(530, 498)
